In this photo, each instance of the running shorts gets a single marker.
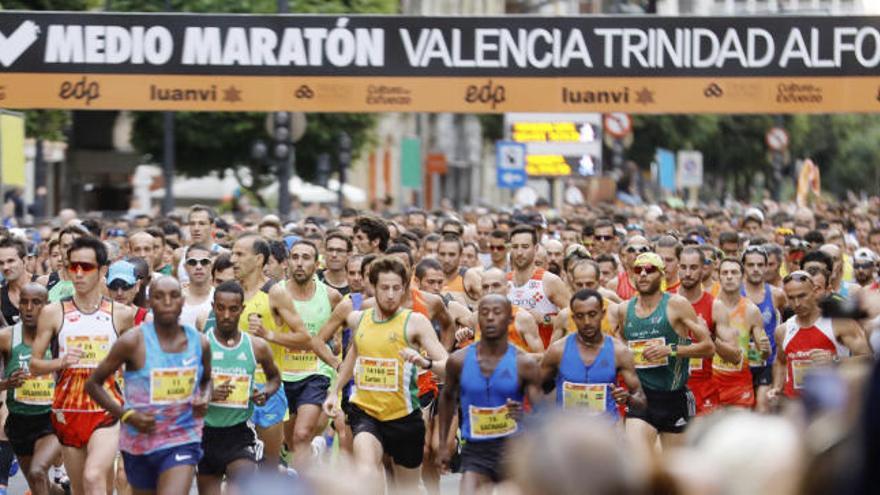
(23, 431)
(143, 471)
(223, 446)
(311, 390)
(762, 376)
(272, 412)
(705, 392)
(737, 395)
(403, 439)
(484, 458)
(74, 429)
(667, 411)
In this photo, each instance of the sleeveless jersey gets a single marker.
(296, 364)
(729, 374)
(190, 312)
(625, 289)
(665, 374)
(484, 399)
(797, 344)
(701, 369)
(456, 285)
(34, 396)
(235, 365)
(587, 386)
(93, 334)
(605, 326)
(259, 304)
(385, 384)
(532, 296)
(165, 386)
(426, 381)
(769, 317)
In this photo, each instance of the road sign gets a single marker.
(617, 124)
(436, 163)
(776, 139)
(690, 169)
(557, 142)
(510, 164)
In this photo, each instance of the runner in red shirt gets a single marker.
(692, 263)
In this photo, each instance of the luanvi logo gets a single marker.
(20, 40)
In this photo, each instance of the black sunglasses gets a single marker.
(198, 261)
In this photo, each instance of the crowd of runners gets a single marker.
(596, 349)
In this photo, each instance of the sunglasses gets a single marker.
(647, 269)
(754, 249)
(81, 266)
(198, 261)
(603, 237)
(797, 276)
(863, 266)
(638, 249)
(497, 248)
(119, 285)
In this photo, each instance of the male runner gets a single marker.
(604, 239)
(623, 284)
(738, 321)
(371, 235)
(384, 411)
(64, 287)
(337, 249)
(84, 326)
(691, 265)
(15, 277)
(498, 250)
(229, 444)
(534, 289)
(449, 256)
(200, 223)
(199, 292)
(657, 327)
(809, 340)
(306, 373)
(167, 389)
(584, 365)
(585, 275)
(488, 381)
(668, 248)
(28, 397)
(770, 301)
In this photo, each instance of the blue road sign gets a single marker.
(510, 164)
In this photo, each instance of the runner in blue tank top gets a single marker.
(770, 300)
(489, 379)
(592, 386)
(166, 394)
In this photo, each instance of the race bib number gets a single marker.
(589, 396)
(260, 376)
(719, 364)
(695, 364)
(378, 375)
(241, 389)
(171, 385)
(491, 422)
(755, 360)
(638, 349)
(93, 349)
(300, 362)
(36, 391)
(799, 370)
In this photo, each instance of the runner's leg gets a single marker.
(175, 481)
(761, 405)
(641, 434)
(74, 464)
(430, 473)
(473, 482)
(305, 422)
(406, 480)
(36, 467)
(97, 467)
(671, 440)
(209, 484)
(368, 455)
(272, 437)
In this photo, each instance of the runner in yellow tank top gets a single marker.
(384, 410)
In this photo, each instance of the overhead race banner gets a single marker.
(643, 64)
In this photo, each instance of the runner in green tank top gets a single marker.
(306, 374)
(229, 444)
(656, 326)
(29, 399)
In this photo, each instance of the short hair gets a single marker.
(873, 232)
(453, 239)
(270, 223)
(754, 249)
(337, 234)
(89, 242)
(365, 264)
(727, 237)
(141, 267)
(93, 225)
(603, 223)
(499, 234)
(230, 287)
(348, 212)
(399, 247)
(586, 295)
(819, 257)
(222, 262)
(425, 265)
(732, 260)
(525, 229)
(170, 228)
(668, 241)
(306, 242)
(374, 228)
(74, 230)
(693, 250)
(17, 244)
(196, 247)
(773, 249)
(387, 264)
(607, 258)
(260, 246)
(431, 238)
(197, 208)
(278, 250)
(815, 238)
(451, 221)
(471, 244)
(585, 262)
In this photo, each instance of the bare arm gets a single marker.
(550, 364)
(779, 365)
(120, 353)
(633, 396)
(441, 315)
(527, 327)
(336, 320)
(685, 323)
(449, 400)
(263, 354)
(298, 337)
(47, 325)
(559, 324)
(557, 291)
(421, 333)
(850, 334)
(530, 376)
(759, 335)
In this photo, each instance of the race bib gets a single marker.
(171, 385)
(240, 396)
(695, 364)
(260, 376)
(491, 422)
(300, 362)
(376, 374)
(799, 370)
(589, 396)
(719, 364)
(94, 349)
(638, 348)
(755, 360)
(36, 391)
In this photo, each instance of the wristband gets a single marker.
(127, 414)
(430, 364)
(673, 350)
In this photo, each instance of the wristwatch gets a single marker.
(673, 350)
